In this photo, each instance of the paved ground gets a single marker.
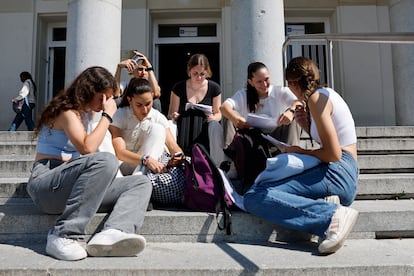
(357, 257)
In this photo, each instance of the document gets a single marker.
(261, 121)
(234, 196)
(207, 109)
(279, 144)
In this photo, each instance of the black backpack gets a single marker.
(249, 152)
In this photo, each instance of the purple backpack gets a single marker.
(204, 188)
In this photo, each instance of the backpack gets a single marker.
(204, 188)
(249, 152)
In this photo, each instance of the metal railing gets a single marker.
(388, 38)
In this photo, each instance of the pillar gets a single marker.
(258, 34)
(93, 35)
(402, 20)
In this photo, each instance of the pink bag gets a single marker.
(17, 106)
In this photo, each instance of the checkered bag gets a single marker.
(168, 187)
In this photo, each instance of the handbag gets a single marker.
(18, 105)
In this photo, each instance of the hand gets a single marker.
(155, 166)
(108, 105)
(174, 116)
(176, 160)
(128, 64)
(240, 123)
(145, 60)
(290, 149)
(302, 117)
(210, 117)
(285, 119)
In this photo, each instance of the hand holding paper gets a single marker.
(207, 109)
(279, 144)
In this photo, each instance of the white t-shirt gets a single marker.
(341, 117)
(27, 92)
(134, 129)
(278, 100)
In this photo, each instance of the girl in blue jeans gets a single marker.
(297, 202)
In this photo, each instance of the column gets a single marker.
(402, 20)
(93, 35)
(258, 33)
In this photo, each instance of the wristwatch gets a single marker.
(291, 110)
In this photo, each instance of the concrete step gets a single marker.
(374, 146)
(7, 136)
(385, 131)
(385, 186)
(378, 218)
(18, 148)
(398, 163)
(370, 186)
(385, 146)
(391, 163)
(16, 164)
(357, 257)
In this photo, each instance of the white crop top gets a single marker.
(341, 117)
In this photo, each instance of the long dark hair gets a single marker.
(251, 93)
(135, 86)
(80, 93)
(27, 76)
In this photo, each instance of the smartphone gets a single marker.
(136, 58)
(178, 154)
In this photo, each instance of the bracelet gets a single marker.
(150, 69)
(291, 110)
(144, 159)
(106, 115)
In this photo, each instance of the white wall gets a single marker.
(366, 75)
(16, 52)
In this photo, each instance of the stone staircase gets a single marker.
(181, 242)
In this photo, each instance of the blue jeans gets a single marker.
(79, 188)
(297, 202)
(25, 115)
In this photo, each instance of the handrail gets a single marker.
(390, 38)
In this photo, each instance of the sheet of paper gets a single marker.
(235, 197)
(207, 109)
(261, 121)
(276, 142)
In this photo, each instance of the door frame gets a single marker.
(51, 45)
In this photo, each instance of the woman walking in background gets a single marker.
(24, 103)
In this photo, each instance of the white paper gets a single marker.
(207, 109)
(279, 144)
(261, 121)
(234, 196)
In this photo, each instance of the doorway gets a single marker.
(57, 57)
(173, 65)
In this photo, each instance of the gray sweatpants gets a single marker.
(79, 188)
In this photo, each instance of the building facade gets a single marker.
(55, 40)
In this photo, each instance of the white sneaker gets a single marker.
(341, 225)
(113, 242)
(333, 199)
(64, 249)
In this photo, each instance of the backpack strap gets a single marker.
(222, 205)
